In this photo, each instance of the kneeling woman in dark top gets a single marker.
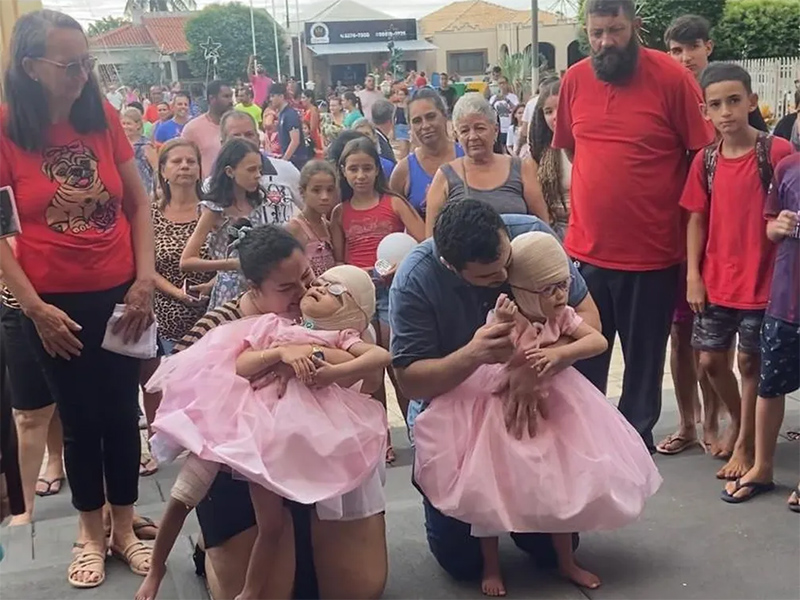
(317, 558)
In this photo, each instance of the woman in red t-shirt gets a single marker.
(368, 213)
(86, 246)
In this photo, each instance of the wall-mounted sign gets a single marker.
(348, 32)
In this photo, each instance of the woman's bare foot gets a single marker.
(492, 582)
(677, 442)
(579, 576)
(23, 519)
(739, 464)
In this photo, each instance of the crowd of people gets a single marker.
(216, 254)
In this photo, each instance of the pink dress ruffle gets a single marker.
(585, 469)
(309, 446)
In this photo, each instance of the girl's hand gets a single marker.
(696, 294)
(193, 301)
(138, 315)
(291, 354)
(57, 331)
(326, 374)
(204, 289)
(505, 310)
(547, 361)
(304, 370)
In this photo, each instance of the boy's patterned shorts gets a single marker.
(716, 327)
(780, 358)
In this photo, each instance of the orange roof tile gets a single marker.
(476, 15)
(166, 32)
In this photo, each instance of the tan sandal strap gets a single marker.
(135, 553)
(87, 561)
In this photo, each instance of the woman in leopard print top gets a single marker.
(175, 215)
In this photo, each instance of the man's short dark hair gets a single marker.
(718, 72)
(277, 89)
(688, 29)
(611, 8)
(468, 231)
(263, 248)
(214, 88)
(182, 95)
(382, 112)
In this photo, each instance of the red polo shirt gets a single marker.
(75, 236)
(630, 143)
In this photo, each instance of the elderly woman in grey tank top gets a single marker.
(507, 183)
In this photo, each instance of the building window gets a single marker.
(184, 72)
(467, 63)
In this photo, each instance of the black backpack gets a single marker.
(763, 151)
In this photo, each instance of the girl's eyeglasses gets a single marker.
(73, 69)
(549, 290)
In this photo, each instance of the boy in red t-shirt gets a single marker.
(729, 257)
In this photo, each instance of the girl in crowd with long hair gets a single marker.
(352, 104)
(143, 149)
(311, 226)
(555, 169)
(311, 118)
(235, 203)
(368, 213)
(512, 137)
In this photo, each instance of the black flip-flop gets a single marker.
(50, 483)
(758, 489)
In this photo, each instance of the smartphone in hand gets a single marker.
(187, 289)
(9, 218)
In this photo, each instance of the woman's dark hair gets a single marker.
(315, 167)
(262, 249)
(137, 105)
(336, 147)
(28, 119)
(540, 137)
(309, 93)
(514, 120)
(163, 156)
(351, 97)
(362, 145)
(468, 231)
(431, 94)
(221, 186)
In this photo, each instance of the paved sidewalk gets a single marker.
(688, 544)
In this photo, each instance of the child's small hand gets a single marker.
(326, 374)
(547, 361)
(290, 354)
(505, 310)
(304, 370)
(696, 294)
(785, 223)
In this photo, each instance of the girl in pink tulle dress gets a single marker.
(316, 443)
(584, 469)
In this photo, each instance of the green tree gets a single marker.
(758, 29)
(141, 71)
(106, 24)
(159, 5)
(656, 16)
(229, 26)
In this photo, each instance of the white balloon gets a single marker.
(395, 247)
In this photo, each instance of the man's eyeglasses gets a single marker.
(74, 69)
(549, 290)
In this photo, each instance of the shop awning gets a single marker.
(370, 47)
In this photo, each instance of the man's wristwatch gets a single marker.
(316, 352)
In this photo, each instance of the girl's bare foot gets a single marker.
(712, 442)
(739, 464)
(492, 583)
(580, 577)
(728, 443)
(23, 519)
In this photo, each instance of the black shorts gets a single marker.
(780, 358)
(715, 328)
(227, 511)
(29, 389)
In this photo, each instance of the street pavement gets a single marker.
(687, 544)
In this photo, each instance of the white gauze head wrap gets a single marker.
(538, 260)
(358, 304)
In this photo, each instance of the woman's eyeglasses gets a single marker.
(549, 290)
(74, 69)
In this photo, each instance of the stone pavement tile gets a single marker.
(18, 549)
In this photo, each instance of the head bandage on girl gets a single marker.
(358, 303)
(538, 261)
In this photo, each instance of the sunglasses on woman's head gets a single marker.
(73, 69)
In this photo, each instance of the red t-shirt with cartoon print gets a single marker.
(75, 236)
